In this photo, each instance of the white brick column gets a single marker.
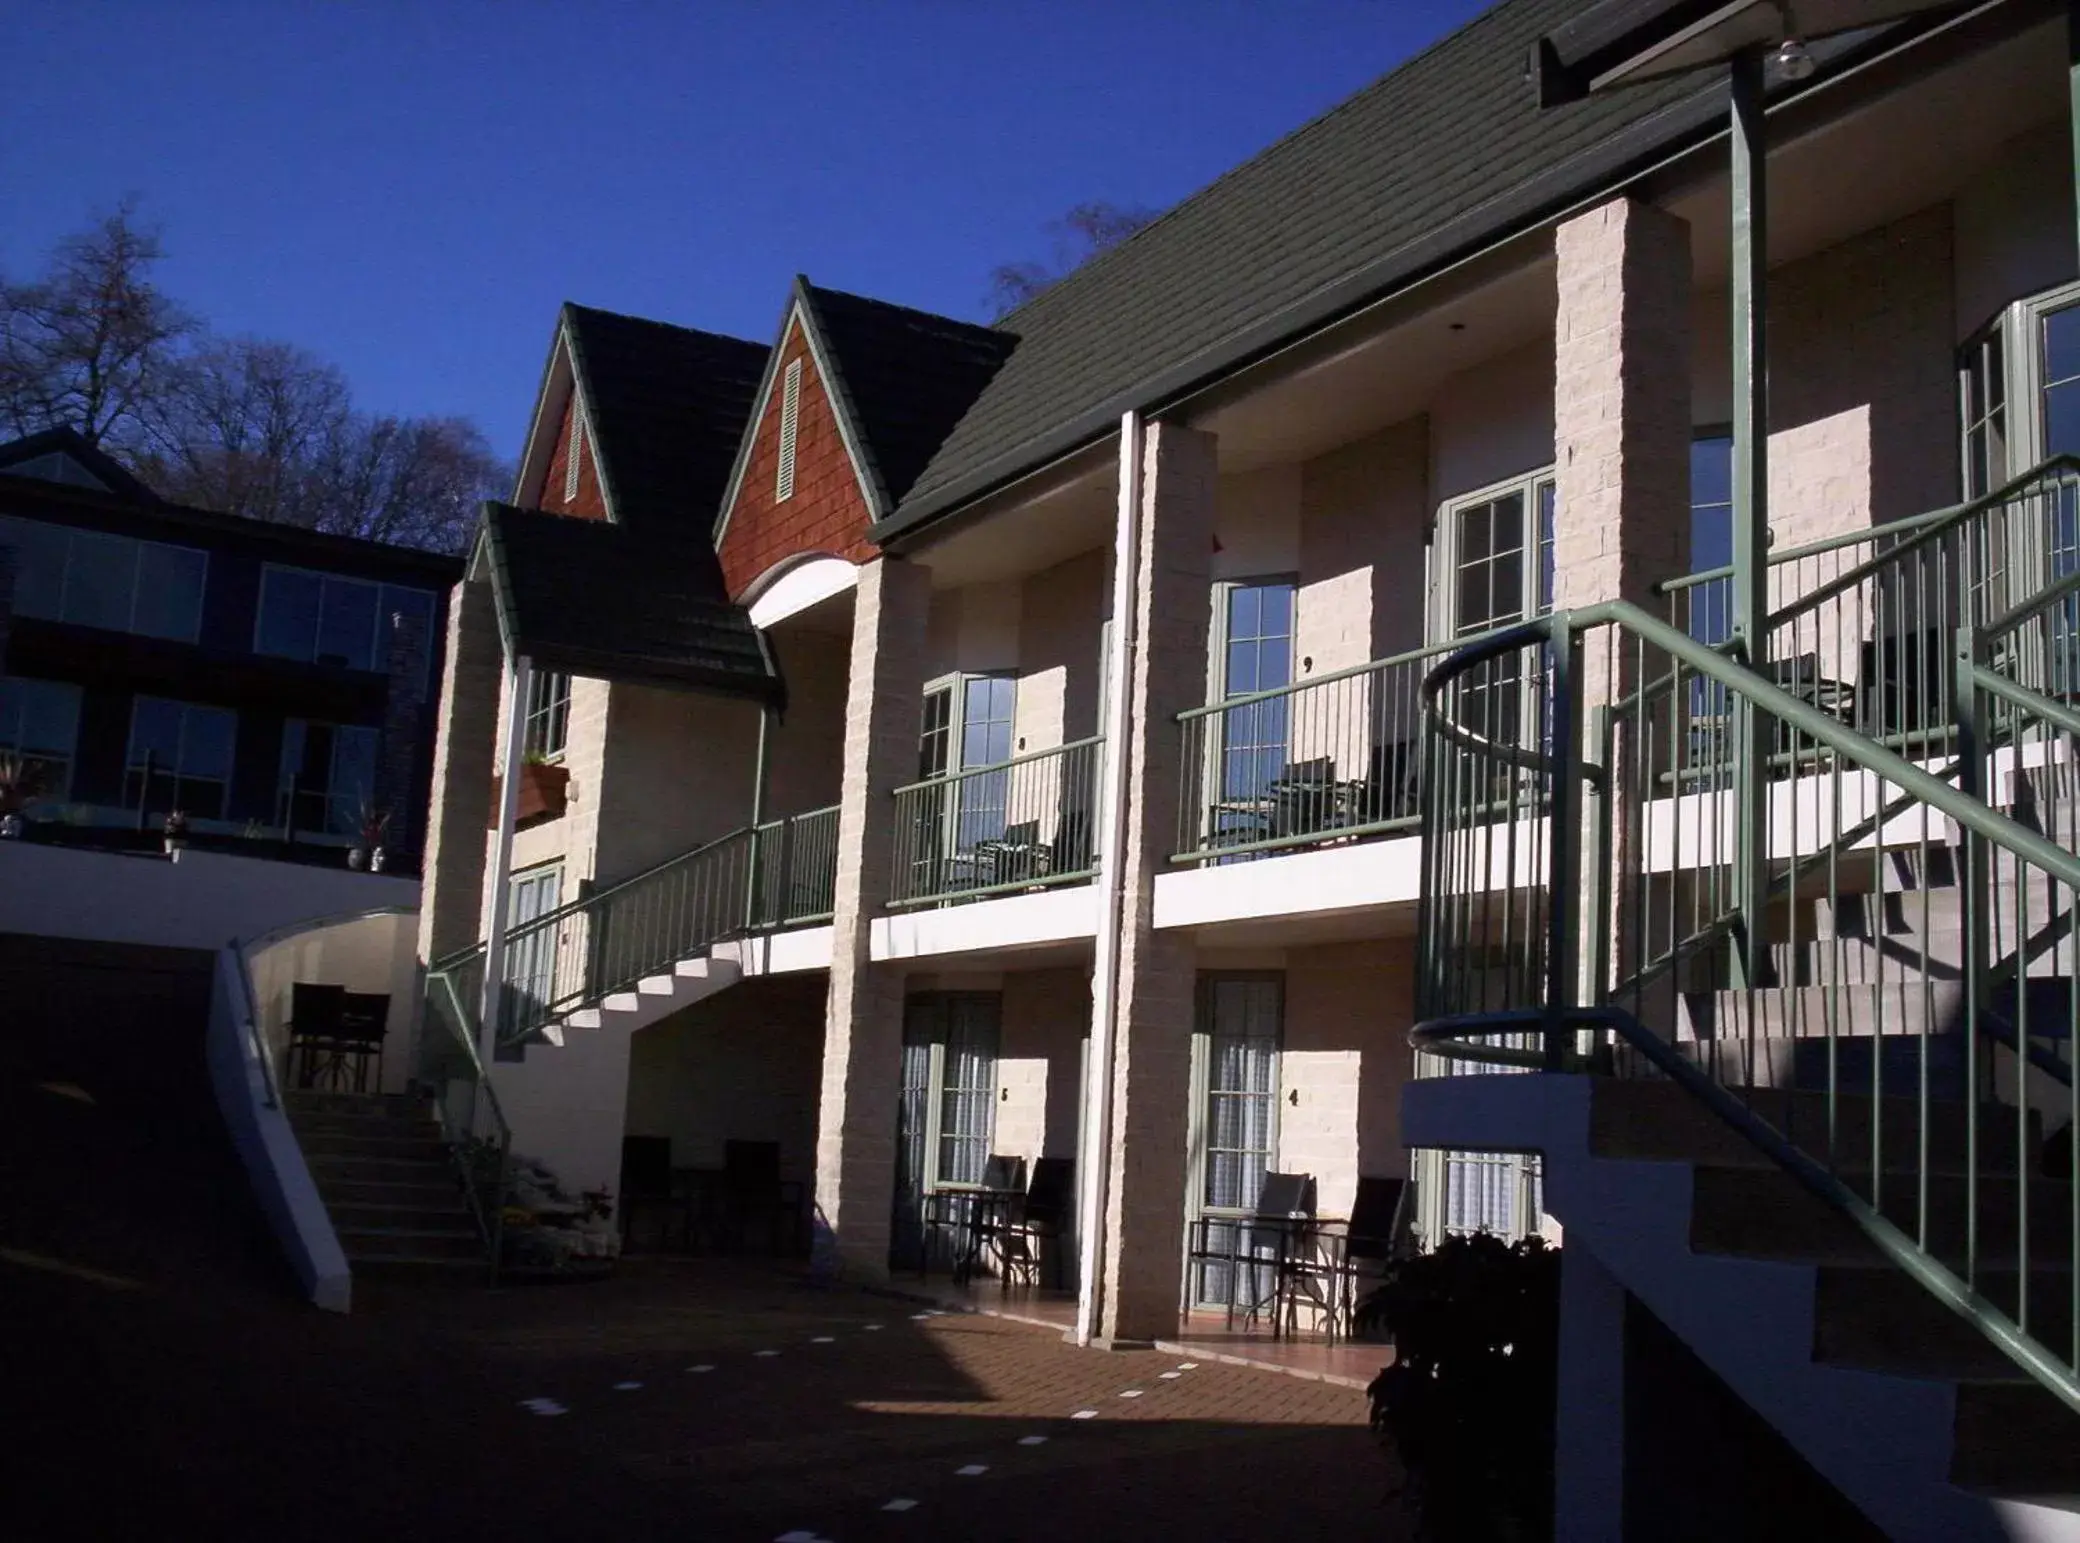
(1147, 1162)
(1621, 442)
(452, 886)
(863, 1021)
(1621, 407)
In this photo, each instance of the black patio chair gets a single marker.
(1038, 1222)
(1375, 1236)
(647, 1185)
(1307, 799)
(364, 1023)
(314, 1031)
(1284, 1201)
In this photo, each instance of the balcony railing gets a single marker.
(797, 870)
(1329, 759)
(1022, 824)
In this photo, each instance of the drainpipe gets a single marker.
(519, 673)
(1748, 283)
(1111, 885)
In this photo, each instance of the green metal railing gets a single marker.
(473, 1125)
(1861, 624)
(780, 874)
(1021, 824)
(1915, 1039)
(1331, 759)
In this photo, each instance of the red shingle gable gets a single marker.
(591, 503)
(828, 512)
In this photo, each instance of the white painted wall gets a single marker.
(371, 953)
(2014, 227)
(566, 1104)
(1256, 523)
(1492, 422)
(200, 900)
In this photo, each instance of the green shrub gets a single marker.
(1468, 1402)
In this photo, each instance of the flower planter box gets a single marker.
(544, 790)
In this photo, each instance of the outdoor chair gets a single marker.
(1373, 1238)
(647, 1185)
(754, 1193)
(364, 1022)
(1391, 792)
(314, 1031)
(1307, 799)
(1285, 1202)
(1040, 1218)
(1071, 851)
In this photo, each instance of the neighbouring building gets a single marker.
(936, 741)
(264, 680)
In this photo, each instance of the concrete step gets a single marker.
(1912, 1007)
(1757, 1214)
(1883, 1320)
(1657, 1121)
(453, 1242)
(407, 1144)
(328, 1168)
(433, 1190)
(2015, 1438)
(305, 1103)
(441, 1214)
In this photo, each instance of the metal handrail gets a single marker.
(1349, 672)
(1565, 871)
(939, 857)
(258, 1035)
(966, 773)
(1444, 1038)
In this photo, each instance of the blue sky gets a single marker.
(409, 189)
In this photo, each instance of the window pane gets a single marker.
(39, 566)
(169, 592)
(2062, 345)
(207, 736)
(1242, 611)
(155, 731)
(347, 624)
(2062, 419)
(100, 580)
(289, 613)
(353, 770)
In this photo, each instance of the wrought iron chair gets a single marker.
(1040, 1218)
(314, 1033)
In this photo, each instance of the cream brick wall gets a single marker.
(1349, 1007)
(808, 750)
(1364, 510)
(465, 745)
(744, 1065)
(677, 773)
(1061, 622)
(1047, 1016)
(862, 1057)
(1256, 528)
(2014, 226)
(567, 1105)
(1492, 421)
(1151, 1072)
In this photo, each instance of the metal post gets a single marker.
(1748, 286)
(518, 676)
(758, 814)
(1976, 878)
(2073, 88)
(1564, 889)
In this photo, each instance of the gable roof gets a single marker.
(902, 377)
(621, 604)
(664, 406)
(106, 473)
(1447, 154)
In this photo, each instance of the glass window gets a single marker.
(1257, 656)
(39, 566)
(987, 705)
(1240, 1034)
(289, 601)
(39, 721)
(968, 1088)
(935, 736)
(180, 757)
(1711, 535)
(169, 592)
(531, 958)
(1983, 387)
(548, 714)
(2060, 345)
(100, 580)
(327, 777)
(347, 624)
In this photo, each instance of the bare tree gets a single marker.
(1079, 235)
(90, 344)
(243, 425)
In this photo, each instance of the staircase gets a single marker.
(388, 1181)
(1837, 1161)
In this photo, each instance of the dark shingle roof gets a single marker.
(616, 603)
(104, 468)
(667, 406)
(1446, 153)
(907, 377)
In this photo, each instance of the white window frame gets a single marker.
(956, 683)
(2022, 372)
(548, 702)
(940, 1005)
(1199, 1134)
(524, 957)
(790, 430)
(137, 545)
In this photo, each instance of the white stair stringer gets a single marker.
(692, 979)
(1884, 1441)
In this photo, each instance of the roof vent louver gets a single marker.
(790, 425)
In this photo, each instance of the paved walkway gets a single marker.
(159, 1378)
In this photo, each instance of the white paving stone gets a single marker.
(900, 1505)
(972, 1470)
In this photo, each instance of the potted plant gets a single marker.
(368, 850)
(175, 831)
(544, 790)
(15, 792)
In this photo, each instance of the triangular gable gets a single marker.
(65, 456)
(559, 468)
(832, 496)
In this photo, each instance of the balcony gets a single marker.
(1023, 824)
(1325, 761)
